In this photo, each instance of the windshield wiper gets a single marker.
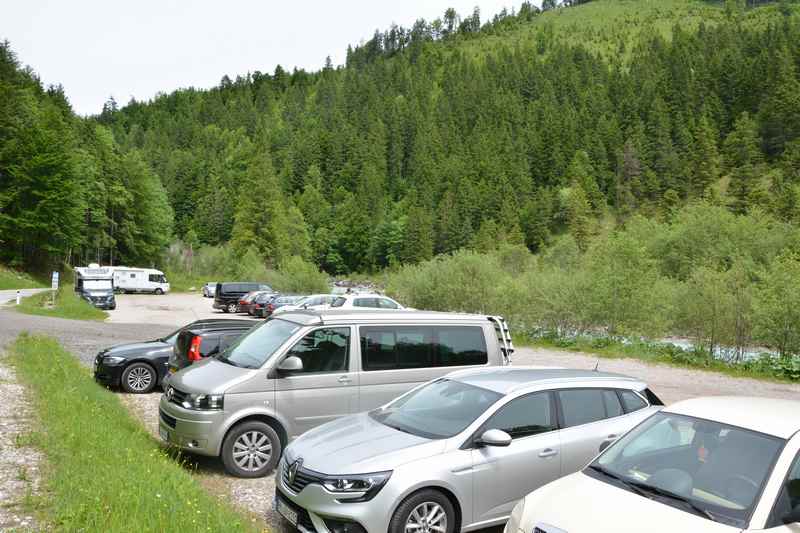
(221, 357)
(677, 497)
(633, 487)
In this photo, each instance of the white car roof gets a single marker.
(772, 416)
(508, 379)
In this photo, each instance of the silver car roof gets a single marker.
(310, 317)
(505, 380)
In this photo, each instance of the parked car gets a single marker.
(135, 279)
(457, 453)
(371, 300)
(227, 295)
(279, 302)
(261, 302)
(247, 302)
(209, 289)
(315, 301)
(139, 367)
(304, 368)
(194, 344)
(707, 465)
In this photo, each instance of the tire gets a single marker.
(257, 446)
(139, 378)
(159, 292)
(427, 501)
(232, 308)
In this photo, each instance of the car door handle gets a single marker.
(344, 379)
(548, 452)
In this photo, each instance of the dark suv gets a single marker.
(227, 295)
(195, 344)
(139, 366)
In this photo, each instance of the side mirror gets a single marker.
(792, 516)
(305, 306)
(495, 437)
(291, 364)
(605, 444)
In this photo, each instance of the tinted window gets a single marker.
(789, 497)
(338, 302)
(385, 303)
(611, 401)
(582, 406)
(632, 401)
(398, 347)
(209, 345)
(365, 302)
(323, 350)
(525, 416)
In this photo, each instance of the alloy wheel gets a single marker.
(139, 379)
(252, 450)
(427, 517)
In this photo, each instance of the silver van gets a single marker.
(304, 368)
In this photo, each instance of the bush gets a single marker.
(296, 275)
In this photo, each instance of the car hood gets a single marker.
(209, 376)
(357, 444)
(579, 503)
(136, 349)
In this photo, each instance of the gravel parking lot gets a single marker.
(146, 316)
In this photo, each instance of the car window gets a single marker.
(323, 350)
(528, 415)
(338, 302)
(611, 402)
(365, 302)
(209, 345)
(385, 303)
(404, 347)
(632, 401)
(582, 406)
(461, 345)
(789, 496)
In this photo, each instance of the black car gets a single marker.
(261, 302)
(138, 367)
(194, 344)
(227, 295)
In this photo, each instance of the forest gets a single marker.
(565, 132)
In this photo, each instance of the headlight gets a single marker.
(203, 402)
(368, 484)
(113, 360)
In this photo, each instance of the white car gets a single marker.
(315, 301)
(708, 465)
(366, 300)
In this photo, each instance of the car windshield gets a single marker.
(438, 410)
(253, 349)
(703, 467)
(97, 284)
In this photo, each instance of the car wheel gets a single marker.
(251, 449)
(232, 308)
(426, 510)
(159, 291)
(138, 378)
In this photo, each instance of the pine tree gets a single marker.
(705, 158)
(743, 159)
(579, 217)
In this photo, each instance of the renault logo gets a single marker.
(169, 394)
(293, 468)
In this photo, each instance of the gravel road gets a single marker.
(145, 316)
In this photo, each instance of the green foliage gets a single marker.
(777, 306)
(298, 276)
(139, 483)
(67, 305)
(12, 279)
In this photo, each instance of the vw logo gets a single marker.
(169, 394)
(293, 468)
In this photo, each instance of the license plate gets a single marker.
(286, 512)
(163, 433)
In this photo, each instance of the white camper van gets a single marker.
(130, 279)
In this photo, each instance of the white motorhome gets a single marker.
(95, 284)
(131, 279)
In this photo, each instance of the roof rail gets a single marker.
(501, 326)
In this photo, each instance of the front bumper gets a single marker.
(102, 303)
(199, 432)
(314, 504)
(108, 374)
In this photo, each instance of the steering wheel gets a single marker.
(749, 491)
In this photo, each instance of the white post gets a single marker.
(19, 297)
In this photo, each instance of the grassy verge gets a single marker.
(12, 279)
(67, 305)
(765, 367)
(105, 472)
(185, 282)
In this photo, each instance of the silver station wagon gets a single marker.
(455, 454)
(304, 368)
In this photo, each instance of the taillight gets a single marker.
(271, 307)
(194, 349)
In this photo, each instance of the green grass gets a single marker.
(12, 279)
(67, 305)
(104, 471)
(185, 282)
(764, 368)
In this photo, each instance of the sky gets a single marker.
(97, 49)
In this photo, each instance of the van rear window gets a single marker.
(406, 347)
